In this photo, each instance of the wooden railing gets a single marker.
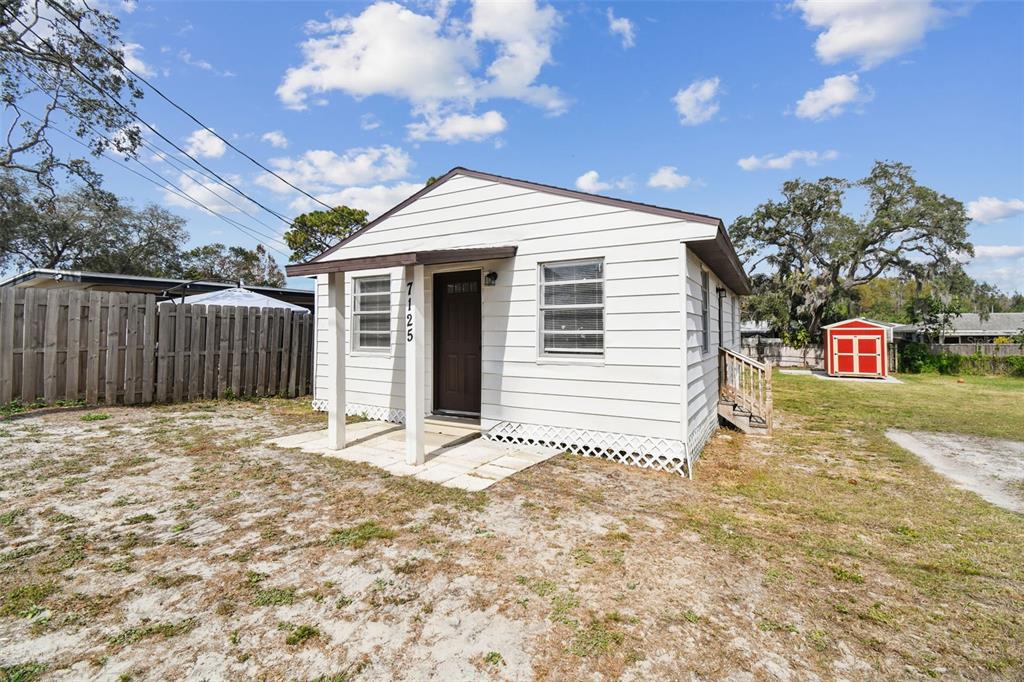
(746, 383)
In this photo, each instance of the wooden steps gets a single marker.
(741, 419)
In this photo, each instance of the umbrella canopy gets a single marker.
(243, 298)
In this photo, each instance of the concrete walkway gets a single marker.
(456, 456)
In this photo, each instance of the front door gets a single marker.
(457, 342)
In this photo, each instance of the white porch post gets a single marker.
(336, 329)
(414, 364)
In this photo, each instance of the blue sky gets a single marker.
(707, 107)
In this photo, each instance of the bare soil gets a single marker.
(991, 467)
(171, 542)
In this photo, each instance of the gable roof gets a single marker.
(718, 252)
(967, 324)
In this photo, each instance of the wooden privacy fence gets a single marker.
(114, 347)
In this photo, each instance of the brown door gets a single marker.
(457, 342)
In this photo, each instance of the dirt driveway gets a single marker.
(169, 543)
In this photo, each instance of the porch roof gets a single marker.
(433, 257)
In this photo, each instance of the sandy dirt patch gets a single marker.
(990, 467)
(174, 543)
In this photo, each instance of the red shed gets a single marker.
(857, 348)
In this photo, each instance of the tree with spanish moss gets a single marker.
(807, 252)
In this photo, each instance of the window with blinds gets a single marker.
(371, 313)
(572, 308)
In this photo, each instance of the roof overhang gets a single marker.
(436, 257)
(719, 255)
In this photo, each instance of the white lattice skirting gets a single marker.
(642, 451)
(700, 436)
(381, 414)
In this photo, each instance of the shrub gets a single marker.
(916, 358)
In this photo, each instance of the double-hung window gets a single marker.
(705, 311)
(371, 313)
(572, 308)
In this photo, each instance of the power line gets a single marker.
(63, 11)
(177, 189)
(174, 189)
(85, 78)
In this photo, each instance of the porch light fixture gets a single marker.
(490, 279)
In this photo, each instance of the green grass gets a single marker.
(25, 601)
(849, 513)
(165, 630)
(274, 596)
(981, 406)
(300, 634)
(22, 672)
(358, 536)
(95, 417)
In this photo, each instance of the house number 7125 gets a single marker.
(408, 312)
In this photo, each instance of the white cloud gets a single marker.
(204, 144)
(786, 161)
(207, 192)
(666, 177)
(202, 64)
(457, 127)
(375, 199)
(998, 251)
(134, 62)
(368, 122)
(436, 62)
(870, 31)
(622, 27)
(832, 98)
(321, 170)
(697, 103)
(991, 209)
(276, 139)
(591, 182)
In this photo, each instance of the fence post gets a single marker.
(28, 348)
(74, 358)
(194, 346)
(237, 339)
(7, 302)
(113, 373)
(149, 349)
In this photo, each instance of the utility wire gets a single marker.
(64, 12)
(185, 169)
(85, 78)
(171, 187)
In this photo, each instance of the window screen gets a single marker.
(705, 312)
(572, 308)
(371, 313)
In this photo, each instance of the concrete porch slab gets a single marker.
(451, 461)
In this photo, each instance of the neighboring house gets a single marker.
(552, 316)
(969, 328)
(163, 288)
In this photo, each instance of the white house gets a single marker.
(552, 316)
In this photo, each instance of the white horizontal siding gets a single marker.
(635, 388)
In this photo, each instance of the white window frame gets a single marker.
(705, 311)
(577, 355)
(356, 347)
